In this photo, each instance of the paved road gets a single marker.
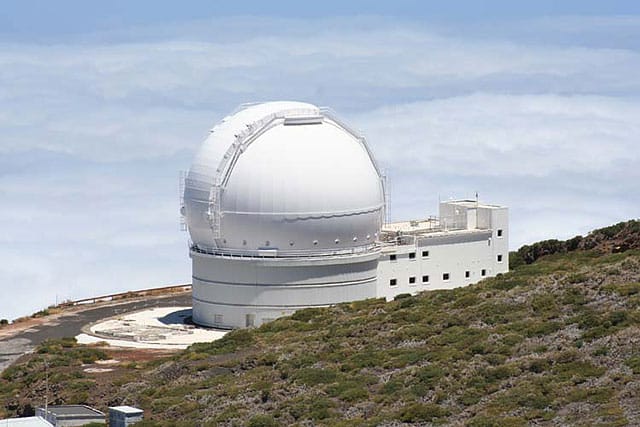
(70, 325)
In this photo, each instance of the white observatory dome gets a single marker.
(283, 176)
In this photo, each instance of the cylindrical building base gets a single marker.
(239, 292)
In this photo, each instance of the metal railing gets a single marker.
(128, 294)
(278, 253)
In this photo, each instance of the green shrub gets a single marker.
(515, 260)
(591, 395)
(618, 317)
(576, 278)
(392, 386)
(634, 364)
(624, 289)
(230, 343)
(308, 314)
(467, 301)
(484, 421)
(538, 366)
(544, 303)
(577, 371)
(350, 394)
(534, 394)
(312, 407)
(315, 376)
(537, 329)
(421, 412)
(262, 421)
(574, 296)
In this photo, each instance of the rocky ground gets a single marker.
(554, 342)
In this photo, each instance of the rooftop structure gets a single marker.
(123, 416)
(70, 415)
(25, 422)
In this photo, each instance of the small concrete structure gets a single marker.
(25, 422)
(123, 416)
(70, 415)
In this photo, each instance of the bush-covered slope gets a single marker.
(554, 342)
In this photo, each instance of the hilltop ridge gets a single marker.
(556, 341)
(616, 238)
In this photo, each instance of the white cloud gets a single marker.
(93, 133)
(506, 135)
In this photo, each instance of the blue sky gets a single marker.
(533, 105)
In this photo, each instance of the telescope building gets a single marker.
(285, 206)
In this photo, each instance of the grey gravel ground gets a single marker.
(71, 324)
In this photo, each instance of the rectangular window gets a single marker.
(483, 272)
(467, 274)
(499, 232)
(500, 258)
(425, 279)
(425, 254)
(412, 255)
(392, 257)
(412, 280)
(445, 276)
(393, 282)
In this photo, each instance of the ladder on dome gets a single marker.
(214, 210)
(242, 141)
(181, 186)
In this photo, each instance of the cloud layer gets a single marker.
(94, 131)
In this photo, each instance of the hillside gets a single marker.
(554, 342)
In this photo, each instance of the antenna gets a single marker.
(477, 204)
(46, 393)
(385, 185)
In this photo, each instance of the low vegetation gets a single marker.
(553, 342)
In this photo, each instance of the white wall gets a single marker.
(454, 252)
(227, 289)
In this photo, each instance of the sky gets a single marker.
(535, 106)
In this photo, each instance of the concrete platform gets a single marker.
(154, 328)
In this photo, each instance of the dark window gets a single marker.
(483, 272)
(392, 257)
(412, 255)
(467, 274)
(393, 282)
(425, 279)
(425, 253)
(499, 258)
(499, 232)
(412, 279)
(445, 276)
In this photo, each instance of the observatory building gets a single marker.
(285, 206)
